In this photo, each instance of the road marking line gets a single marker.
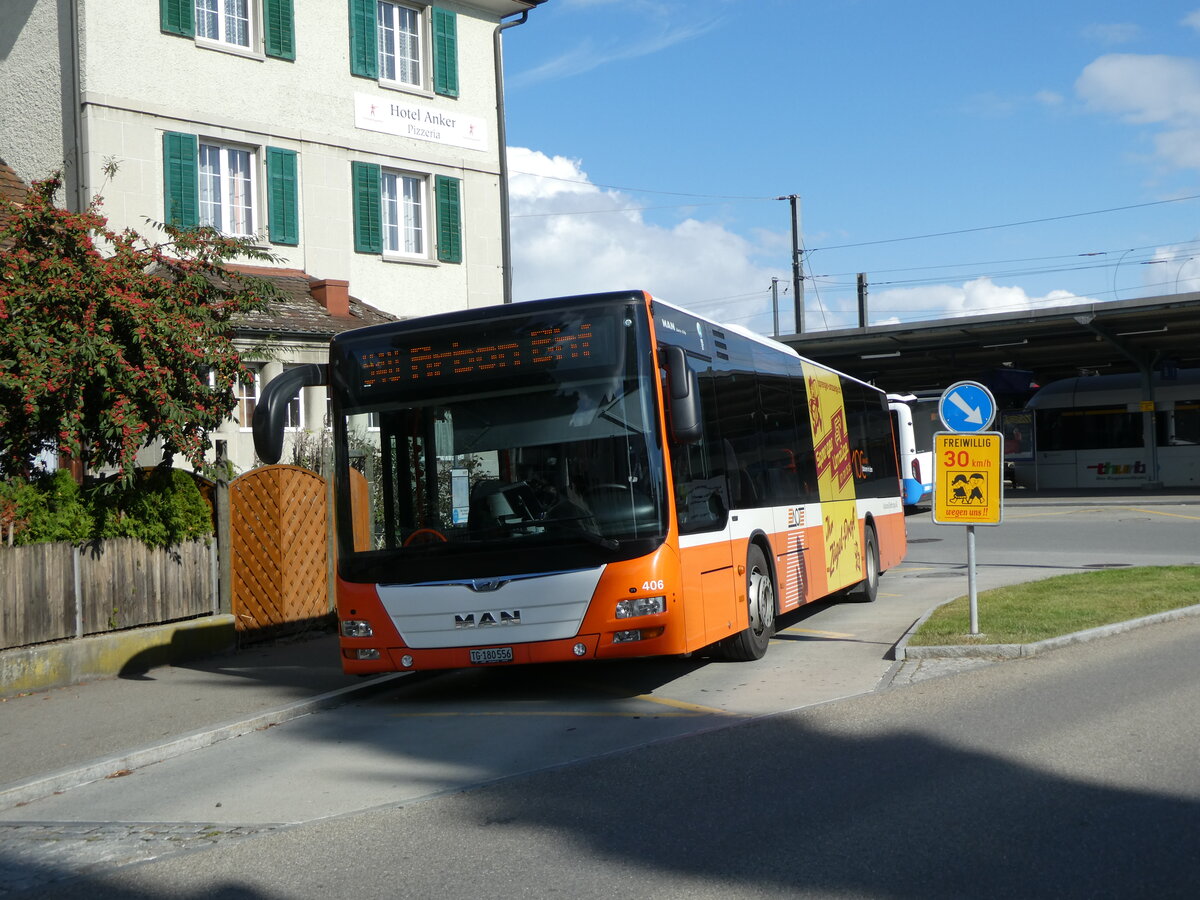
(681, 704)
(1157, 513)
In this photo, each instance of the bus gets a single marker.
(915, 420)
(591, 477)
(1104, 431)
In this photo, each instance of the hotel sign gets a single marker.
(422, 123)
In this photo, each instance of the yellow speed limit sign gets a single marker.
(968, 478)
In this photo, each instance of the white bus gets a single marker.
(914, 421)
(1103, 431)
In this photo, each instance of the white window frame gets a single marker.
(205, 9)
(405, 214)
(293, 416)
(389, 16)
(248, 396)
(228, 185)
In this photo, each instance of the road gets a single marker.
(673, 777)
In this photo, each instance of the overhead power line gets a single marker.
(617, 187)
(1094, 212)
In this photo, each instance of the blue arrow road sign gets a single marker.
(967, 407)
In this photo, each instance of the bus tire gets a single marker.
(867, 590)
(751, 643)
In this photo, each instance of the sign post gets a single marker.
(968, 466)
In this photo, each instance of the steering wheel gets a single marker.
(425, 536)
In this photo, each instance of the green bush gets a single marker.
(160, 507)
(49, 508)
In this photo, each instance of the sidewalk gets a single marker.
(66, 736)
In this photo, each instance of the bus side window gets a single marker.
(701, 498)
(782, 455)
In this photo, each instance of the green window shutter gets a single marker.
(368, 212)
(445, 52)
(280, 28)
(283, 213)
(178, 17)
(364, 39)
(181, 189)
(449, 219)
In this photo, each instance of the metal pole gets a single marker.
(797, 279)
(974, 600)
(502, 140)
(224, 535)
(775, 305)
(862, 300)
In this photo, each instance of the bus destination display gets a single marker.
(537, 345)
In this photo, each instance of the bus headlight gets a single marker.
(357, 628)
(641, 606)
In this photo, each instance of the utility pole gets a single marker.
(862, 299)
(775, 305)
(797, 277)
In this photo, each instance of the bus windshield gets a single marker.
(495, 443)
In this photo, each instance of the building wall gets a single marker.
(32, 126)
(137, 82)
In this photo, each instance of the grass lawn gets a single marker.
(1024, 613)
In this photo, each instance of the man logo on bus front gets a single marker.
(487, 585)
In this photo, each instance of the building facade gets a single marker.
(359, 140)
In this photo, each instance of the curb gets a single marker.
(74, 660)
(39, 786)
(1014, 651)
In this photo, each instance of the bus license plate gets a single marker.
(491, 655)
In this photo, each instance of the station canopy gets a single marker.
(1153, 333)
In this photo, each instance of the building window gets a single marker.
(405, 45)
(227, 189)
(400, 44)
(293, 418)
(403, 213)
(247, 399)
(234, 24)
(224, 21)
(392, 213)
(205, 183)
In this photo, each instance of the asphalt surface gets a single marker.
(60, 738)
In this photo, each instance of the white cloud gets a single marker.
(1112, 34)
(570, 236)
(977, 297)
(1179, 269)
(1162, 91)
(1192, 20)
(588, 55)
(1143, 89)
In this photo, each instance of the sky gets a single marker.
(967, 158)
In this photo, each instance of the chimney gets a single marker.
(334, 295)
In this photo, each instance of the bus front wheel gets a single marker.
(752, 643)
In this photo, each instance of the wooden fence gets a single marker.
(53, 591)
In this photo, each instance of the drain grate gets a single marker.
(924, 540)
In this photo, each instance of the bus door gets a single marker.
(702, 511)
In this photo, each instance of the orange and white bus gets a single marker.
(590, 477)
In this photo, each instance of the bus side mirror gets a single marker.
(271, 410)
(684, 397)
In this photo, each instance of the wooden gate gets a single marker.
(279, 534)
